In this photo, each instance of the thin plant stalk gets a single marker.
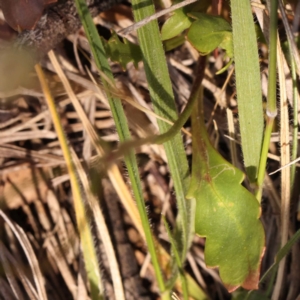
(161, 93)
(122, 129)
(178, 261)
(295, 120)
(271, 111)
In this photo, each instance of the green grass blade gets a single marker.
(178, 261)
(164, 105)
(295, 121)
(248, 85)
(122, 129)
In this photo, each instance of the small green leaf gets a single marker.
(122, 53)
(226, 213)
(209, 32)
(179, 21)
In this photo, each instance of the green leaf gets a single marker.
(122, 53)
(210, 32)
(226, 213)
(248, 85)
(179, 21)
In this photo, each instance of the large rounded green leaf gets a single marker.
(226, 214)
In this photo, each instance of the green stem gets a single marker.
(125, 147)
(161, 93)
(295, 120)
(271, 102)
(122, 129)
(264, 155)
(174, 247)
(272, 81)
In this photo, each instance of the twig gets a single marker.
(147, 20)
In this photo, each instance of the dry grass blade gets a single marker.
(102, 230)
(9, 272)
(287, 165)
(33, 262)
(231, 129)
(113, 171)
(5, 291)
(290, 36)
(81, 113)
(285, 172)
(29, 288)
(25, 125)
(8, 150)
(23, 136)
(82, 220)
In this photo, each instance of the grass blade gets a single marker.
(122, 128)
(248, 85)
(161, 93)
(102, 230)
(178, 261)
(89, 253)
(33, 262)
